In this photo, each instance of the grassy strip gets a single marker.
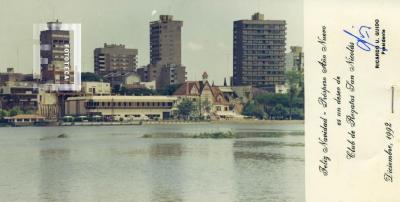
(213, 135)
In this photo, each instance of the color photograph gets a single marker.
(152, 101)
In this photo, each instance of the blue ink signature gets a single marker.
(362, 39)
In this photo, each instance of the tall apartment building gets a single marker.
(295, 59)
(114, 58)
(259, 52)
(165, 53)
(165, 41)
(55, 55)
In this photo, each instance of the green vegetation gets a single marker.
(212, 135)
(14, 111)
(186, 108)
(168, 90)
(134, 91)
(280, 106)
(89, 76)
(216, 135)
(254, 109)
(295, 81)
(3, 114)
(221, 135)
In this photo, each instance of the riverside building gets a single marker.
(122, 107)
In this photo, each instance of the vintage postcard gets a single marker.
(199, 101)
(152, 101)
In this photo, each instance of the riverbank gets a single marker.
(256, 121)
(162, 122)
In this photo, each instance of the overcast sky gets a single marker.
(206, 33)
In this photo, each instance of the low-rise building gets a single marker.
(96, 88)
(281, 89)
(129, 80)
(48, 105)
(209, 99)
(163, 75)
(25, 119)
(19, 94)
(10, 76)
(244, 93)
(121, 107)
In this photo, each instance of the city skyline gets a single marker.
(206, 39)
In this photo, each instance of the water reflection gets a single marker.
(54, 174)
(165, 171)
(258, 143)
(165, 149)
(274, 162)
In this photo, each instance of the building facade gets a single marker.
(11, 77)
(114, 58)
(165, 53)
(122, 107)
(95, 88)
(294, 60)
(55, 55)
(48, 105)
(165, 41)
(19, 94)
(25, 119)
(259, 52)
(209, 100)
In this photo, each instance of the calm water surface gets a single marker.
(113, 163)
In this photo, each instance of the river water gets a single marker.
(114, 163)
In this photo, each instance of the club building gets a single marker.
(125, 107)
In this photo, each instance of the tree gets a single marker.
(168, 90)
(134, 91)
(279, 112)
(89, 76)
(253, 109)
(185, 108)
(270, 100)
(294, 79)
(3, 113)
(15, 111)
(206, 105)
(298, 113)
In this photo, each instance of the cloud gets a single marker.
(195, 46)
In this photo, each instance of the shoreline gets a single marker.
(245, 121)
(164, 122)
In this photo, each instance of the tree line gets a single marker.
(275, 106)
